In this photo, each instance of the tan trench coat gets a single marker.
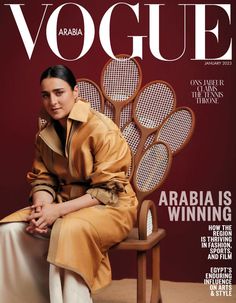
(95, 160)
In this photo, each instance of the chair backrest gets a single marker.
(154, 134)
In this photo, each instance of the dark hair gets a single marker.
(61, 72)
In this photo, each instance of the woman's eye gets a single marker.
(59, 93)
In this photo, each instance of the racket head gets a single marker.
(153, 104)
(121, 79)
(132, 135)
(91, 92)
(177, 129)
(152, 170)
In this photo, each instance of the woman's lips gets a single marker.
(55, 109)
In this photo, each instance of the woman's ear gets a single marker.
(76, 91)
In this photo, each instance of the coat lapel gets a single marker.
(50, 137)
(79, 112)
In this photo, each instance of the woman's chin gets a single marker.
(57, 116)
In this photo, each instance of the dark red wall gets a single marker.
(207, 163)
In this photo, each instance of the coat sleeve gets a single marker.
(112, 158)
(39, 177)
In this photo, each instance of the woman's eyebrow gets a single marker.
(54, 90)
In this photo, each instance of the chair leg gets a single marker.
(142, 275)
(156, 291)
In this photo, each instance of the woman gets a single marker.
(82, 203)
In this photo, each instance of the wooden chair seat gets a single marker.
(132, 242)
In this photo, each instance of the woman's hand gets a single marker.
(39, 198)
(32, 228)
(44, 215)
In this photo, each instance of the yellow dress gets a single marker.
(95, 159)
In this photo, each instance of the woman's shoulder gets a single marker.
(101, 121)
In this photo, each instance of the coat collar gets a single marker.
(80, 111)
(48, 134)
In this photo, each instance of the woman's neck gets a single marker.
(63, 122)
(61, 131)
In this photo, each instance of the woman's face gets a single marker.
(58, 98)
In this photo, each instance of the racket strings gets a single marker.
(154, 103)
(150, 139)
(132, 136)
(176, 129)
(89, 92)
(126, 115)
(152, 167)
(42, 122)
(149, 223)
(121, 79)
(109, 110)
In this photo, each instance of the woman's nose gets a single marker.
(53, 99)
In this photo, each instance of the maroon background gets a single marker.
(207, 163)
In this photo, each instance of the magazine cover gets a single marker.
(186, 46)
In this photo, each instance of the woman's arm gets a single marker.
(43, 188)
(111, 161)
(78, 203)
(40, 179)
(49, 213)
(41, 196)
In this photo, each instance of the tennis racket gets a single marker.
(177, 129)
(90, 91)
(120, 82)
(152, 170)
(154, 102)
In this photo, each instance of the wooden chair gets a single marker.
(146, 236)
